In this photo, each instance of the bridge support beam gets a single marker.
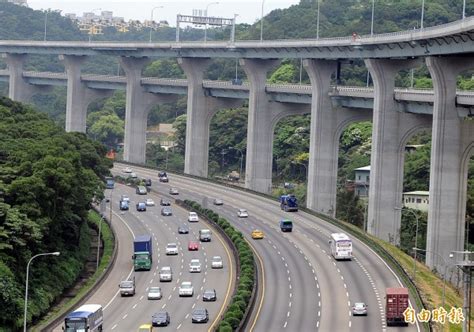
(327, 124)
(138, 104)
(198, 118)
(452, 146)
(260, 128)
(19, 89)
(78, 95)
(390, 132)
(323, 148)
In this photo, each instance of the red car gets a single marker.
(193, 246)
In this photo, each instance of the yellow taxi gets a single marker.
(145, 328)
(257, 234)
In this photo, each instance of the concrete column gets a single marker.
(78, 95)
(391, 130)
(324, 145)
(451, 147)
(198, 118)
(260, 129)
(19, 89)
(138, 103)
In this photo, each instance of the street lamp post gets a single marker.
(93, 26)
(205, 26)
(261, 22)
(416, 239)
(317, 22)
(151, 20)
(56, 253)
(372, 21)
(464, 9)
(45, 23)
(415, 249)
(422, 13)
(232, 34)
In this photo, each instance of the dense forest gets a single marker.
(48, 179)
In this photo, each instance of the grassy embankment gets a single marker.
(108, 243)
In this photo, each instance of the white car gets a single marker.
(171, 249)
(186, 289)
(133, 175)
(193, 217)
(216, 262)
(127, 170)
(242, 213)
(166, 274)
(149, 202)
(125, 198)
(154, 293)
(195, 266)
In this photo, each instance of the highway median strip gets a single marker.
(239, 310)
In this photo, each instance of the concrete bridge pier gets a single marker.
(258, 163)
(390, 132)
(200, 109)
(452, 146)
(138, 104)
(327, 125)
(19, 89)
(78, 95)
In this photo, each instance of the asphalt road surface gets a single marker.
(126, 314)
(305, 289)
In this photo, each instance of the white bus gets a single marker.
(87, 318)
(341, 246)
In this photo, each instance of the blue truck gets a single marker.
(288, 203)
(142, 253)
(88, 318)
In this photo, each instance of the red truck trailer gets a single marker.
(396, 302)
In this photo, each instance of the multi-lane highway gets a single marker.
(126, 314)
(304, 288)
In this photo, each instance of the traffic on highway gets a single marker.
(177, 272)
(162, 276)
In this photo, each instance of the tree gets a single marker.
(108, 129)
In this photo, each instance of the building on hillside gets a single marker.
(162, 134)
(418, 200)
(19, 2)
(361, 181)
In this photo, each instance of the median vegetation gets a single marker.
(238, 309)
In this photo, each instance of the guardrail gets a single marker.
(49, 326)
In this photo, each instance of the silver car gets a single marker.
(186, 289)
(359, 309)
(166, 274)
(172, 249)
(195, 265)
(154, 293)
(216, 262)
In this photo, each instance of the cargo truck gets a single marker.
(396, 302)
(288, 203)
(142, 253)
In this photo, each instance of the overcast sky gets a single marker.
(249, 11)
